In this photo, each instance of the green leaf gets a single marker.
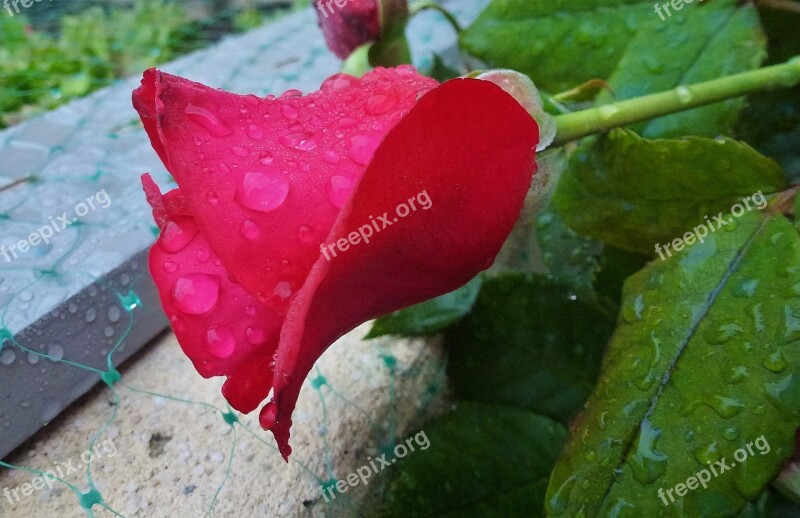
(572, 259)
(520, 347)
(429, 317)
(698, 44)
(635, 193)
(584, 266)
(483, 461)
(562, 48)
(705, 359)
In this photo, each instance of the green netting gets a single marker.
(50, 163)
(319, 472)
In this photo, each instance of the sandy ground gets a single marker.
(166, 458)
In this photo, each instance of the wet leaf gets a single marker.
(431, 316)
(520, 347)
(584, 266)
(698, 43)
(483, 460)
(572, 259)
(705, 360)
(570, 47)
(635, 193)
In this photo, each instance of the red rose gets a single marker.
(349, 24)
(264, 260)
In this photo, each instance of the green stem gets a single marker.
(357, 64)
(421, 6)
(573, 126)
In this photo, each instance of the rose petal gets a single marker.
(476, 180)
(263, 177)
(215, 320)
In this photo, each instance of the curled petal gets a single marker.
(270, 187)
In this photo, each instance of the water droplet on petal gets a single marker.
(303, 141)
(338, 82)
(283, 290)
(268, 415)
(220, 341)
(381, 103)
(331, 156)
(339, 190)
(290, 112)
(254, 335)
(292, 92)
(405, 71)
(212, 198)
(255, 132)
(209, 119)
(265, 157)
(348, 123)
(170, 267)
(264, 190)
(240, 151)
(202, 255)
(251, 230)
(305, 234)
(362, 147)
(177, 234)
(250, 311)
(196, 293)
